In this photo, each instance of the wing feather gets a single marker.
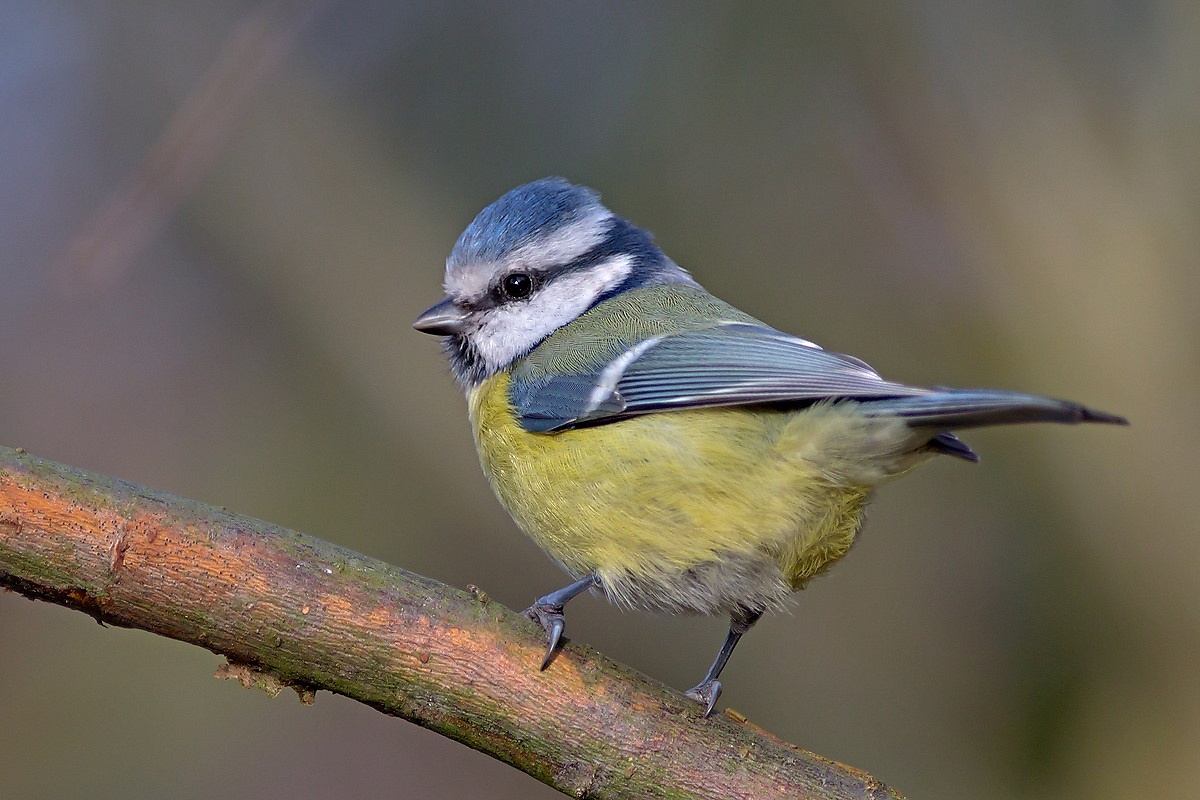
(733, 364)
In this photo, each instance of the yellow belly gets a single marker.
(682, 511)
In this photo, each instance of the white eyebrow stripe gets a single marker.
(557, 248)
(469, 283)
(566, 244)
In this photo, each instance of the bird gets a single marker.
(664, 448)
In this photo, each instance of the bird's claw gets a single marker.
(706, 694)
(550, 617)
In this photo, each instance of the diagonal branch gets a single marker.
(100, 252)
(302, 612)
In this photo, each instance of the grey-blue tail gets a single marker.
(955, 409)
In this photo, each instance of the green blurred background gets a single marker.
(219, 220)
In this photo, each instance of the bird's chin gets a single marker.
(465, 360)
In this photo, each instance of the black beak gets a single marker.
(443, 319)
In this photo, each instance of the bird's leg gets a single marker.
(709, 689)
(548, 612)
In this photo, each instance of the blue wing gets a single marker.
(728, 364)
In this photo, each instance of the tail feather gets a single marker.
(950, 445)
(956, 409)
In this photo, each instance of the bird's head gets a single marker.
(531, 262)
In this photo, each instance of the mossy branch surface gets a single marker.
(308, 614)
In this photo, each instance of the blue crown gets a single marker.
(519, 217)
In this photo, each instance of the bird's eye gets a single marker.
(517, 285)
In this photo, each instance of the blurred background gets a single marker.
(219, 220)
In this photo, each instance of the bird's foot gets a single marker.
(706, 694)
(550, 617)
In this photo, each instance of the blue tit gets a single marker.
(663, 447)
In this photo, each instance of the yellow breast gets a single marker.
(690, 510)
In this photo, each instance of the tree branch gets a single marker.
(288, 609)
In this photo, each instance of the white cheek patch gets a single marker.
(508, 332)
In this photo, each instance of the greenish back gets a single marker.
(612, 327)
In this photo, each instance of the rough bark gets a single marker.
(287, 609)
